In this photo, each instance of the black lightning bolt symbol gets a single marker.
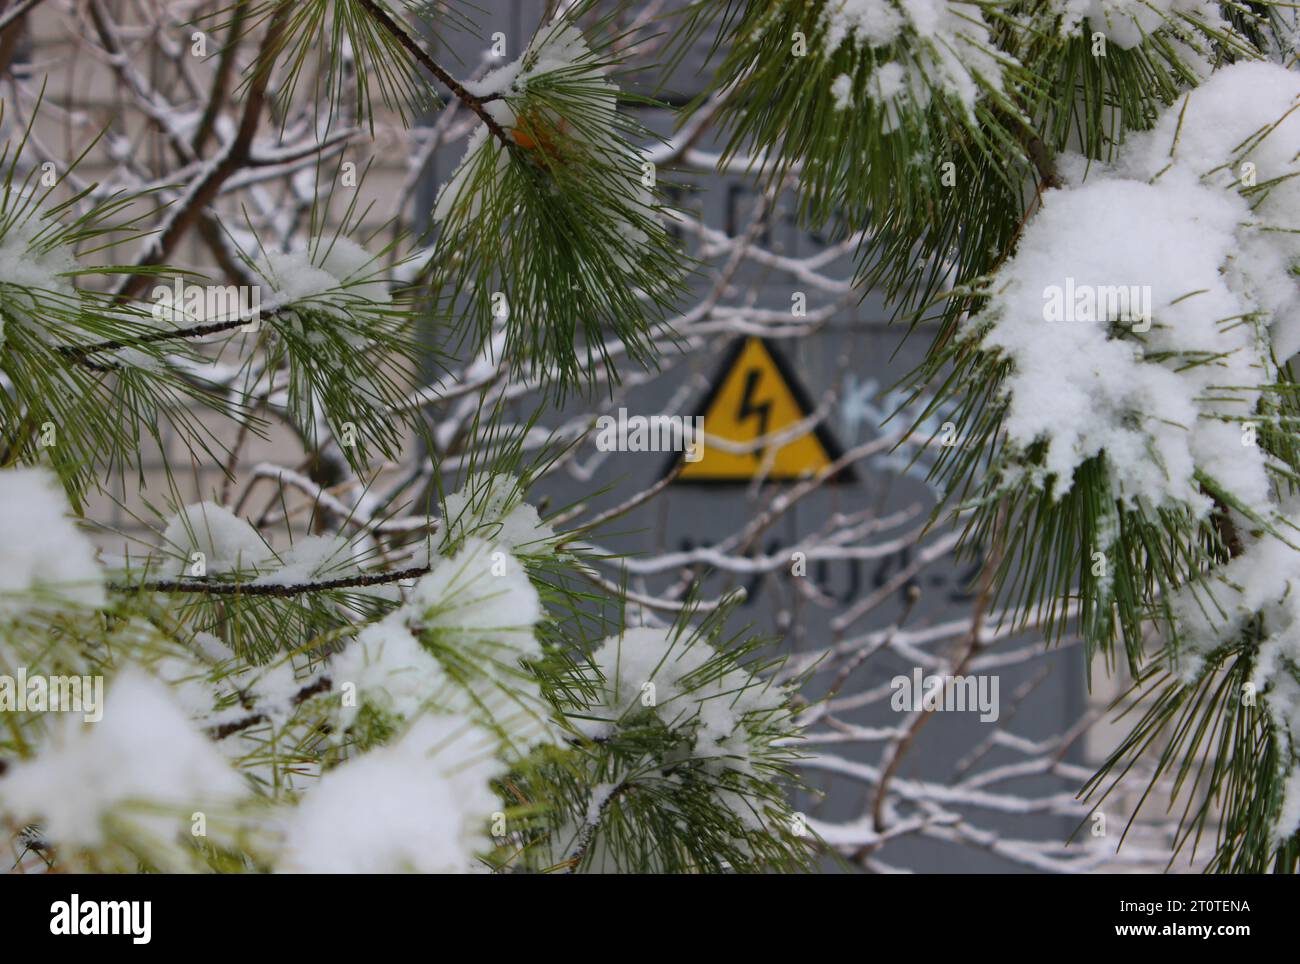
(749, 408)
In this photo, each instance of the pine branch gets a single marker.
(220, 732)
(221, 81)
(590, 825)
(270, 589)
(475, 104)
(16, 11)
(235, 156)
(80, 352)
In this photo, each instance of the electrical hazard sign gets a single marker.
(756, 395)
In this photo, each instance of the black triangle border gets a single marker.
(845, 476)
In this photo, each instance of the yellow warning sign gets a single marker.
(756, 394)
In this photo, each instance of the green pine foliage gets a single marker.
(446, 670)
(462, 665)
(940, 173)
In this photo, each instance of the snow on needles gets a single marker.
(44, 557)
(718, 720)
(213, 539)
(334, 276)
(29, 272)
(208, 539)
(1240, 132)
(477, 611)
(1142, 315)
(421, 804)
(456, 646)
(143, 752)
(494, 509)
(558, 50)
(688, 686)
(1126, 23)
(951, 51)
(311, 558)
(26, 264)
(480, 598)
(1085, 391)
(1145, 301)
(1262, 582)
(389, 670)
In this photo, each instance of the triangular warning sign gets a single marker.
(754, 394)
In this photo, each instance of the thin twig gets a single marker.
(16, 11)
(224, 730)
(271, 589)
(451, 83)
(79, 352)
